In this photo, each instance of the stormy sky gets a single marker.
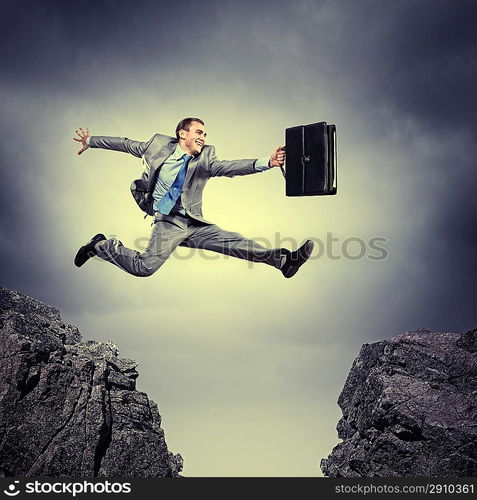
(246, 366)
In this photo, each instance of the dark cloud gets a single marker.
(422, 59)
(65, 44)
(414, 58)
(446, 248)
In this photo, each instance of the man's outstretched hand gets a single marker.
(82, 138)
(278, 157)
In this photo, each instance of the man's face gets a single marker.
(194, 138)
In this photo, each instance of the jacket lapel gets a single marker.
(156, 160)
(161, 156)
(190, 169)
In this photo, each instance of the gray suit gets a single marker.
(175, 229)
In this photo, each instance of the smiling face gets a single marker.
(192, 141)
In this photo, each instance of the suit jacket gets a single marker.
(155, 152)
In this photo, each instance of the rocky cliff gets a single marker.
(410, 409)
(70, 408)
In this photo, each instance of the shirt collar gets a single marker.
(178, 152)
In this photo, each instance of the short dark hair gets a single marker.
(185, 124)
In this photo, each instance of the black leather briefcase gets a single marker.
(310, 160)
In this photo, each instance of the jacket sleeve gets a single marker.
(229, 168)
(123, 144)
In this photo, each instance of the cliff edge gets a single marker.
(71, 408)
(410, 409)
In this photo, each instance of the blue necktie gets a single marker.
(170, 198)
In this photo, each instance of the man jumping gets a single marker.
(170, 190)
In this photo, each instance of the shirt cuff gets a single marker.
(261, 164)
(87, 140)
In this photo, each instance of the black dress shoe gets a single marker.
(87, 251)
(297, 258)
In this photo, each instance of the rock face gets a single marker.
(410, 409)
(70, 408)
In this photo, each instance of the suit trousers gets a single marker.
(173, 230)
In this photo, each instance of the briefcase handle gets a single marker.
(304, 159)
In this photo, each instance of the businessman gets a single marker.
(176, 170)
